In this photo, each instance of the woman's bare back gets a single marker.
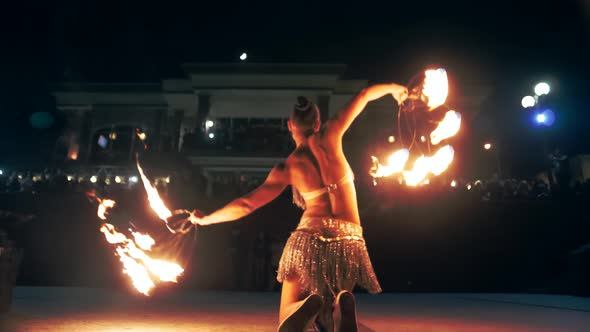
(317, 164)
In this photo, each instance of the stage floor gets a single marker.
(85, 309)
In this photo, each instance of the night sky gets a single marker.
(508, 46)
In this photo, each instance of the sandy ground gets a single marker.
(85, 309)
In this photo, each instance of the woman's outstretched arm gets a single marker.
(275, 183)
(344, 118)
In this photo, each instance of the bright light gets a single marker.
(541, 118)
(1, 172)
(528, 101)
(422, 139)
(209, 124)
(133, 179)
(73, 155)
(211, 135)
(453, 183)
(244, 56)
(93, 179)
(468, 187)
(70, 178)
(142, 136)
(107, 180)
(118, 179)
(487, 146)
(167, 179)
(390, 139)
(113, 135)
(542, 89)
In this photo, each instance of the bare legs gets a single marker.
(291, 295)
(296, 315)
(339, 314)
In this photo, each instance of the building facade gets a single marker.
(224, 118)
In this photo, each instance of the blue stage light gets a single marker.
(545, 118)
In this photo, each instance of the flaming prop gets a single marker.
(395, 164)
(154, 197)
(427, 91)
(143, 269)
(447, 128)
(139, 266)
(183, 225)
(436, 165)
(436, 87)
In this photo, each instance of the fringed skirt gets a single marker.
(326, 256)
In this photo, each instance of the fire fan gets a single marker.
(420, 129)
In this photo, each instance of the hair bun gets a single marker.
(303, 104)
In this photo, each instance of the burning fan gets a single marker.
(181, 221)
(427, 93)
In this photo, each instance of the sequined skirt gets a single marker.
(328, 255)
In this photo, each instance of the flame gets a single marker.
(448, 127)
(153, 197)
(103, 207)
(418, 173)
(144, 241)
(143, 270)
(435, 164)
(395, 164)
(136, 263)
(436, 87)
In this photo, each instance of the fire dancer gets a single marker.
(326, 256)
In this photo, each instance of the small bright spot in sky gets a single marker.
(244, 56)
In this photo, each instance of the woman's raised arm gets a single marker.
(344, 118)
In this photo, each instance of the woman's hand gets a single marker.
(182, 221)
(198, 218)
(399, 93)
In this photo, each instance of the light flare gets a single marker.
(448, 127)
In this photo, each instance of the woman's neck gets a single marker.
(300, 141)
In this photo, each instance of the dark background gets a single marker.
(506, 46)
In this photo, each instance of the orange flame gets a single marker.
(144, 241)
(137, 264)
(103, 207)
(143, 270)
(448, 127)
(395, 164)
(436, 87)
(153, 197)
(435, 164)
